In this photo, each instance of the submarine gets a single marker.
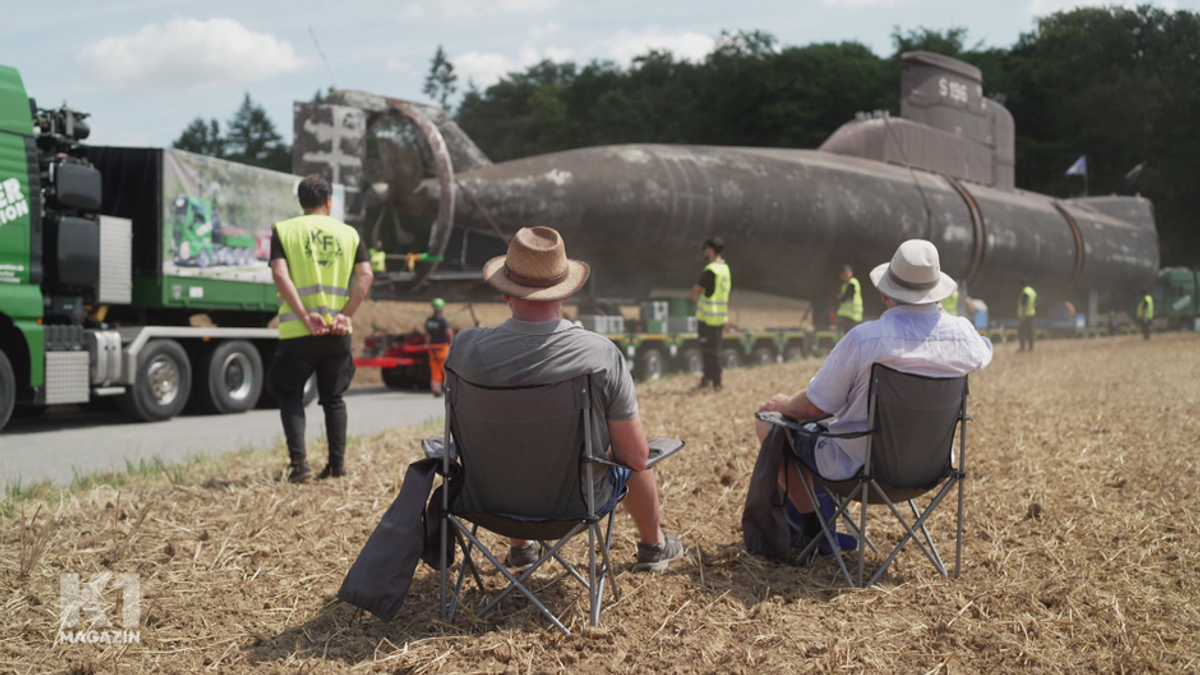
(637, 213)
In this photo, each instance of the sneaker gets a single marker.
(657, 558)
(520, 557)
(331, 471)
(299, 473)
(704, 384)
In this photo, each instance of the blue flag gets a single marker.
(1079, 168)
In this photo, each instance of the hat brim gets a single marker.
(945, 287)
(577, 276)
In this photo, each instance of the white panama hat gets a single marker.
(915, 275)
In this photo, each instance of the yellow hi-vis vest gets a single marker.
(950, 304)
(714, 310)
(1029, 296)
(1145, 308)
(378, 260)
(320, 254)
(852, 308)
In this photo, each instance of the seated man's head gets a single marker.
(914, 276)
(535, 275)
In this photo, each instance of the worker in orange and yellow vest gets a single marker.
(437, 341)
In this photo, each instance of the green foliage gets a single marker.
(250, 138)
(439, 83)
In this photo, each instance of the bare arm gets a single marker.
(696, 291)
(796, 406)
(629, 444)
(362, 286)
(287, 291)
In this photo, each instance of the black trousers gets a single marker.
(845, 323)
(710, 350)
(296, 359)
(1025, 332)
(1146, 329)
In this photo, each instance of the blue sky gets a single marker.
(145, 68)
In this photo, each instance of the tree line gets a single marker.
(1121, 86)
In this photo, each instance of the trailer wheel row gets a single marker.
(220, 378)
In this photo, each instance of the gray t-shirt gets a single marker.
(518, 353)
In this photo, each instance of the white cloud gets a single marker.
(187, 54)
(483, 69)
(626, 44)
(544, 30)
(413, 11)
(465, 9)
(860, 3)
(398, 65)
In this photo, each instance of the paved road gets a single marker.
(67, 440)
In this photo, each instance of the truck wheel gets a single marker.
(163, 382)
(648, 365)
(8, 390)
(730, 358)
(229, 378)
(762, 356)
(203, 258)
(395, 378)
(310, 390)
(691, 361)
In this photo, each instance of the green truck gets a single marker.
(92, 302)
(1176, 303)
(201, 239)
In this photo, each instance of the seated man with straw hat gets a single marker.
(537, 346)
(914, 336)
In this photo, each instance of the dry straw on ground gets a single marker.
(1081, 552)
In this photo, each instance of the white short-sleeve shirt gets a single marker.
(917, 339)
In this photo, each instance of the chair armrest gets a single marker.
(660, 449)
(433, 449)
(808, 428)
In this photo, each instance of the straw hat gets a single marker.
(915, 275)
(536, 267)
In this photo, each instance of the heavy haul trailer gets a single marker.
(92, 301)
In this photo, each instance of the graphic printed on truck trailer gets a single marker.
(13, 203)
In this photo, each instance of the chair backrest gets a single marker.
(915, 418)
(521, 448)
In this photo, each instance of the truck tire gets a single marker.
(730, 358)
(648, 364)
(762, 357)
(8, 390)
(203, 258)
(229, 378)
(163, 383)
(691, 361)
(396, 378)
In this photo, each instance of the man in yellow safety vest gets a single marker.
(1145, 313)
(711, 295)
(312, 259)
(850, 304)
(378, 257)
(1026, 309)
(950, 304)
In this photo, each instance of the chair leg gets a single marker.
(911, 533)
(593, 587)
(959, 530)
(442, 608)
(941, 565)
(826, 533)
(862, 528)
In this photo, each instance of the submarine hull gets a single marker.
(638, 214)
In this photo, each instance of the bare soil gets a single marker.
(1082, 551)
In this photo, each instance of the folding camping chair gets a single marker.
(911, 422)
(521, 464)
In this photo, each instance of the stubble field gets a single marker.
(1082, 551)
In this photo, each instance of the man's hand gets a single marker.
(316, 323)
(777, 403)
(341, 325)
